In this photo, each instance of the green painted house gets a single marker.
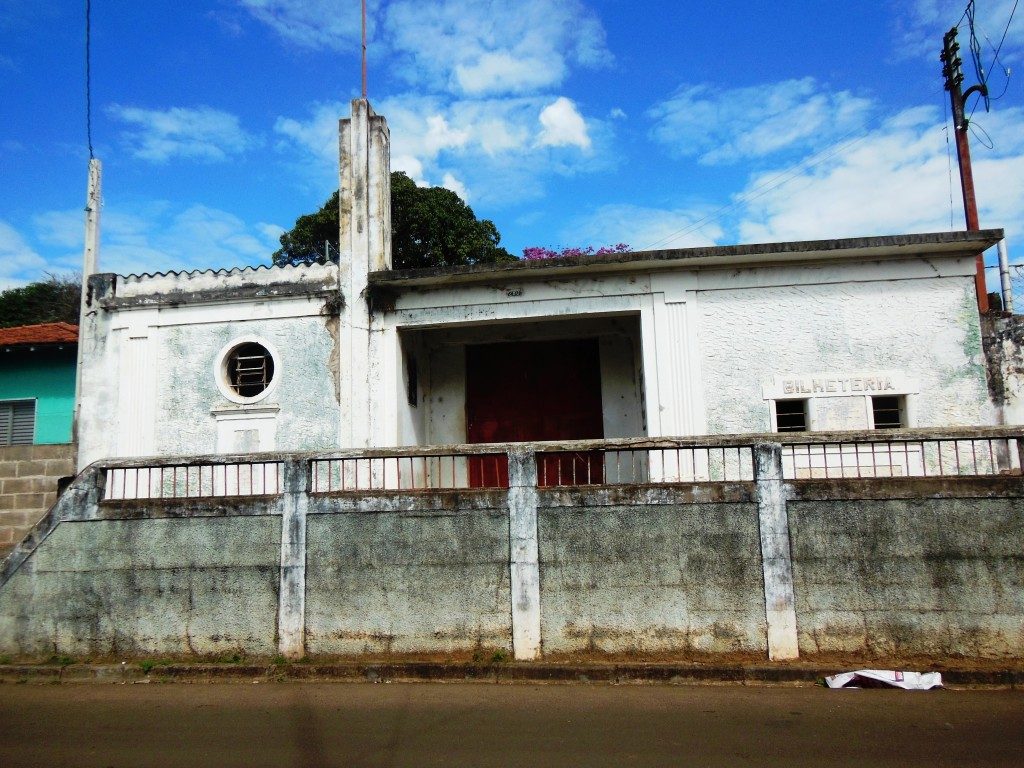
(37, 383)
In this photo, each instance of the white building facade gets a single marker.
(830, 335)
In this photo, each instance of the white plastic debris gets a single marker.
(886, 678)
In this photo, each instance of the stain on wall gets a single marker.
(651, 578)
(191, 587)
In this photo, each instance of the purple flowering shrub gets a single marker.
(539, 252)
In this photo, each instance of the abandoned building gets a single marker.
(782, 449)
(865, 333)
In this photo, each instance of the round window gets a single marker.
(249, 369)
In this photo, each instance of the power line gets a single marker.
(88, 76)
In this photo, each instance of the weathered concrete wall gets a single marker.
(28, 486)
(877, 568)
(195, 586)
(1003, 338)
(930, 335)
(909, 575)
(648, 570)
(303, 393)
(151, 350)
(424, 573)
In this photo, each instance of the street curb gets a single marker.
(513, 672)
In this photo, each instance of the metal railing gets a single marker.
(976, 457)
(193, 481)
(979, 452)
(409, 472)
(645, 466)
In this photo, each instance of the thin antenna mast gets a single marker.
(364, 48)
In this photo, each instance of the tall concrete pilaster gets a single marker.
(524, 553)
(364, 247)
(776, 556)
(291, 610)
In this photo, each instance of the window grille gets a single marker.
(791, 415)
(17, 422)
(250, 369)
(888, 412)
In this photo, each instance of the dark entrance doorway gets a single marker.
(537, 390)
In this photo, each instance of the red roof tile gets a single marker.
(44, 333)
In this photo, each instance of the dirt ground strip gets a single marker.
(324, 724)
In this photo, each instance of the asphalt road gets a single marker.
(423, 724)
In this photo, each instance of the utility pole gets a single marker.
(954, 78)
(90, 258)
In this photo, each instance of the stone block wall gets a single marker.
(28, 486)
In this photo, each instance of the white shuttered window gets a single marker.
(17, 422)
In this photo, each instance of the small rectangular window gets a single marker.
(791, 415)
(888, 412)
(17, 422)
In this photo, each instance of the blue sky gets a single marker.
(665, 124)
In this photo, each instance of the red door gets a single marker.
(537, 390)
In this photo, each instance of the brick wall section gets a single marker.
(28, 486)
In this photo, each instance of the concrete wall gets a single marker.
(891, 572)
(28, 486)
(638, 572)
(869, 568)
(1003, 339)
(769, 329)
(200, 586)
(151, 351)
(421, 574)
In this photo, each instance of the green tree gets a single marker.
(430, 227)
(54, 300)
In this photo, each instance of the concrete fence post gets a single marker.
(776, 557)
(291, 613)
(524, 565)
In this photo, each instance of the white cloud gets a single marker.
(894, 179)
(201, 133)
(477, 47)
(641, 227)
(724, 126)
(924, 22)
(470, 47)
(313, 24)
(63, 229)
(319, 133)
(456, 186)
(492, 146)
(156, 236)
(562, 125)
(617, 114)
(19, 262)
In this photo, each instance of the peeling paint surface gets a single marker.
(432, 580)
(919, 327)
(651, 578)
(191, 587)
(910, 577)
(305, 391)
